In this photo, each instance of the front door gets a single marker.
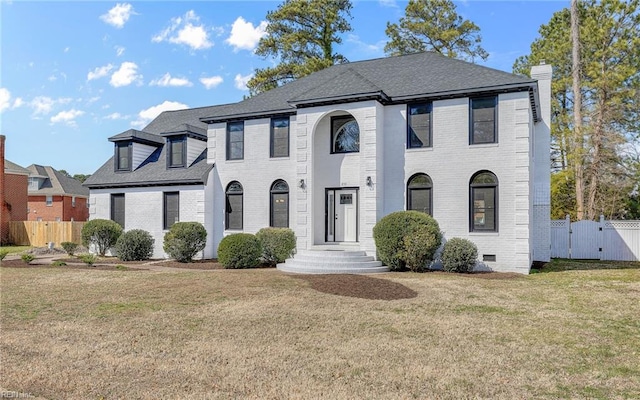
(342, 215)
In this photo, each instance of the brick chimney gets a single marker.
(4, 211)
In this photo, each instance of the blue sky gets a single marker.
(72, 74)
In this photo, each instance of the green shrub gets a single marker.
(58, 263)
(419, 248)
(240, 250)
(101, 233)
(184, 240)
(88, 259)
(121, 267)
(390, 233)
(69, 247)
(459, 255)
(3, 253)
(27, 258)
(277, 244)
(134, 245)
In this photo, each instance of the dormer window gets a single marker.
(123, 156)
(177, 150)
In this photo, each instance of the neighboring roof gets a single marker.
(13, 168)
(56, 183)
(153, 172)
(389, 80)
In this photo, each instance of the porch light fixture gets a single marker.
(301, 184)
(369, 181)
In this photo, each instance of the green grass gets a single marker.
(80, 333)
(564, 264)
(15, 249)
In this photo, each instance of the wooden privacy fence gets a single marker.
(41, 233)
(599, 240)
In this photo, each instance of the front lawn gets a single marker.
(262, 334)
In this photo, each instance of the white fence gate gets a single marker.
(601, 240)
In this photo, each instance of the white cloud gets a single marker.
(375, 49)
(244, 36)
(211, 82)
(146, 116)
(167, 80)
(186, 30)
(115, 116)
(388, 3)
(241, 81)
(6, 101)
(42, 105)
(119, 50)
(67, 117)
(66, 49)
(99, 72)
(125, 75)
(118, 15)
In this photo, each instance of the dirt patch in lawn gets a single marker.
(106, 260)
(360, 286)
(195, 264)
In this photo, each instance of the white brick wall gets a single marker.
(144, 210)
(450, 163)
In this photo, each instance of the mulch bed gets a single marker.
(360, 286)
(107, 260)
(75, 265)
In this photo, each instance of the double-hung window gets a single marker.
(171, 207)
(484, 121)
(235, 140)
(484, 202)
(279, 137)
(117, 208)
(177, 149)
(419, 125)
(123, 156)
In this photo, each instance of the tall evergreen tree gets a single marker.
(301, 36)
(609, 86)
(434, 25)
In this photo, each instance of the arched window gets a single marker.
(345, 135)
(233, 209)
(279, 212)
(483, 202)
(419, 193)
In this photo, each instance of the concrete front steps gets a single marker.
(332, 260)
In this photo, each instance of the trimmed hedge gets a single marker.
(101, 233)
(240, 250)
(184, 240)
(394, 243)
(135, 245)
(277, 244)
(459, 255)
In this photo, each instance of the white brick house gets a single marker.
(330, 154)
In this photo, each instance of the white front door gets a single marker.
(342, 215)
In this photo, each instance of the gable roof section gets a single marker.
(55, 183)
(15, 169)
(389, 80)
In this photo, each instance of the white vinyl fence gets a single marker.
(599, 240)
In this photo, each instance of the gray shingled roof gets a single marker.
(154, 171)
(13, 168)
(138, 136)
(56, 183)
(390, 80)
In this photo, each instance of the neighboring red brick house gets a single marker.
(54, 196)
(13, 192)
